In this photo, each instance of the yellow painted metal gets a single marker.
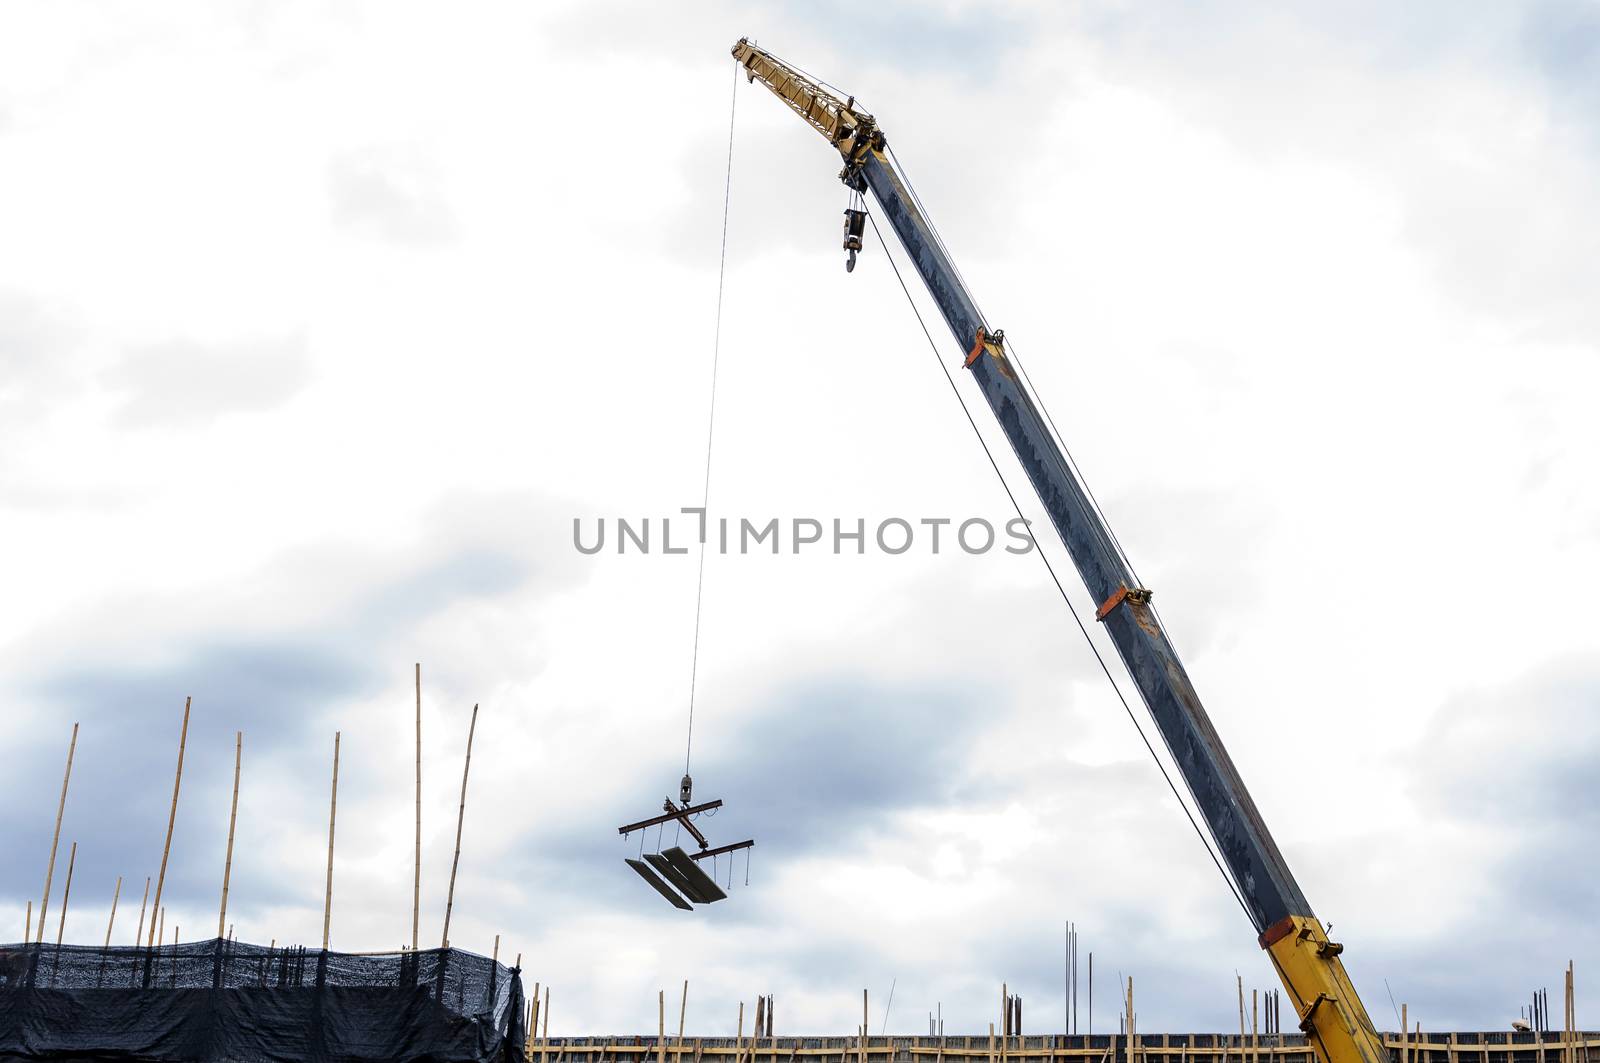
(1331, 1013)
(846, 126)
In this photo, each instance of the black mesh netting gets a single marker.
(225, 1001)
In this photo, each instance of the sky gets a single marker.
(322, 327)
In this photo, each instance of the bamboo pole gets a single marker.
(865, 1026)
(161, 934)
(115, 895)
(333, 811)
(1405, 1036)
(416, 873)
(138, 935)
(27, 931)
(172, 816)
(1567, 1022)
(1579, 1055)
(1239, 979)
(233, 817)
(738, 1038)
(544, 1038)
(683, 1011)
(1567, 1014)
(461, 815)
(1133, 1043)
(533, 1022)
(55, 840)
(66, 894)
(1541, 1009)
(661, 1026)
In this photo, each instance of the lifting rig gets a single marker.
(1330, 1011)
(674, 873)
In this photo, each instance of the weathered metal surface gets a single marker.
(659, 886)
(723, 849)
(1269, 889)
(670, 812)
(691, 873)
(673, 878)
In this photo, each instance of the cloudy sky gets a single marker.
(321, 324)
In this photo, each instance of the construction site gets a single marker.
(143, 992)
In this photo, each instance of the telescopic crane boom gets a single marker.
(1330, 1011)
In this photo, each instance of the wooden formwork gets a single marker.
(1458, 1047)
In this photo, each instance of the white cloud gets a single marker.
(1308, 294)
(181, 382)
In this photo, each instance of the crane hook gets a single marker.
(855, 225)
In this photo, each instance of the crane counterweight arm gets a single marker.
(1330, 1011)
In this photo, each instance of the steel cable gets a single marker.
(711, 424)
(1060, 589)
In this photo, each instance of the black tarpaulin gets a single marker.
(224, 1001)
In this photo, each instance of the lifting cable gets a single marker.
(1099, 658)
(1109, 538)
(711, 424)
(1060, 441)
(1073, 462)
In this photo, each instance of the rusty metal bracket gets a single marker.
(719, 850)
(673, 812)
(977, 349)
(688, 824)
(1137, 595)
(1276, 932)
(1307, 1025)
(985, 341)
